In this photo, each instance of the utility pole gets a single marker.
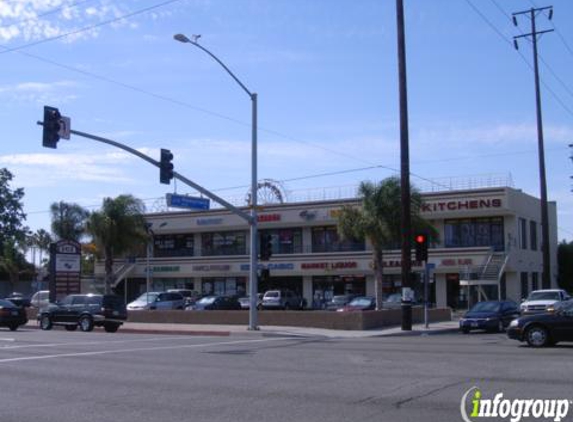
(404, 172)
(534, 34)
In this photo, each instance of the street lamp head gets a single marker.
(181, 38)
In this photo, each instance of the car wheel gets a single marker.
(86, 323)
(111, 328)
(45, 323)
(71, 327)
(537, 336)
(13, 327)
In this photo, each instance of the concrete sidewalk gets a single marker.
(241, 330)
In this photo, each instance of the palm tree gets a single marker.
(68, 220)
(118, 228)
(42, 240)
(378, 219)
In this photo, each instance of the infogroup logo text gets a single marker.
(474, 407)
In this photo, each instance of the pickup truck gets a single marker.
(539, 301)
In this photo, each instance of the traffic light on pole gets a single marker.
(50, 136)
(266, 247)
(421, 243)
(166, 167)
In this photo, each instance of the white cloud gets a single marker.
(40, 92)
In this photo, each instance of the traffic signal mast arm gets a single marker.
(176, 175)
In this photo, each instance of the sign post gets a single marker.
(65, 268)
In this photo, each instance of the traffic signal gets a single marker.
(52, 118)
(421, 243)
(266, 247)
(166, 166)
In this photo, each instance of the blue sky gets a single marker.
(325, 72)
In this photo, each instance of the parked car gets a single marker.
(539, 301)
(19, 299)
(215, 303)
(545, 329)
(360, 303)
(338, 301)
(190, 296)
(40, 299)
(245, 301)
(86, 311)
(281, 299)
(157, 300)
(490, 315)
(12, 316)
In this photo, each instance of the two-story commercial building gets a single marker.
(489, 246)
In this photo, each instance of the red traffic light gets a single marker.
(420, 238)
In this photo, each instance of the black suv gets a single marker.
(86, 311)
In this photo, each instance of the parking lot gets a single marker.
(70, 376)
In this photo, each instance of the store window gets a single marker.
(523, 233)
(224, 286)
(173, 245)
(464, 233)
(534, 281)
(533, 235)
(326, 239)
(285, 241)
(224, 243)
(524, 285)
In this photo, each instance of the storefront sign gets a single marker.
(267, 218)
(166, 269)
(329, 265)
(213, 267)
(308, 215)
(462, 205)
(456, 262)
(278, 266)
(209, 221)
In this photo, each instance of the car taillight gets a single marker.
(4, 312)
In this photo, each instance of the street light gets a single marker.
(253, 221)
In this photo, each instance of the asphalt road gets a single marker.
(73, 376)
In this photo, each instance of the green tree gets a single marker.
(565, 265)
(117, 229)
(12, 217)
(41, 240)
(68, 220)
(13, 263)
(378, 219)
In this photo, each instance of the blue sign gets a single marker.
(184, 201)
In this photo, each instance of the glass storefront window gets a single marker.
(285, 241)
(326, 239)
(224, 286)
(224, 243)
(173, 245)
(474, 232)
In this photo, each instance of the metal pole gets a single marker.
(546, 281)
(404, 170)
(147, 274)
(253, 279)
(426, 294)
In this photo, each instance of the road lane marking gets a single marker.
(87, 343)
(143, 349)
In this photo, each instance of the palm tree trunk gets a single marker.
(378, 271)
(108, 270)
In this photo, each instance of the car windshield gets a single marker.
(6, 304)
(394, 298)
(486, 307)
(339, 299)
(272, 294)
(147, 297)
(544, 296)
(207, 300)
(360, 301)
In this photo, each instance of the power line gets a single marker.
(545, 85)
(88, 28)
(47, 13)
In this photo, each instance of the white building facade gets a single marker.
(489, 246)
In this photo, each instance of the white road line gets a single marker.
(143, 349)
(87, 343)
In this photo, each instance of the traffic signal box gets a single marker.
(166, 167)
(51, 125)
(266, 247)
(421, 244)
